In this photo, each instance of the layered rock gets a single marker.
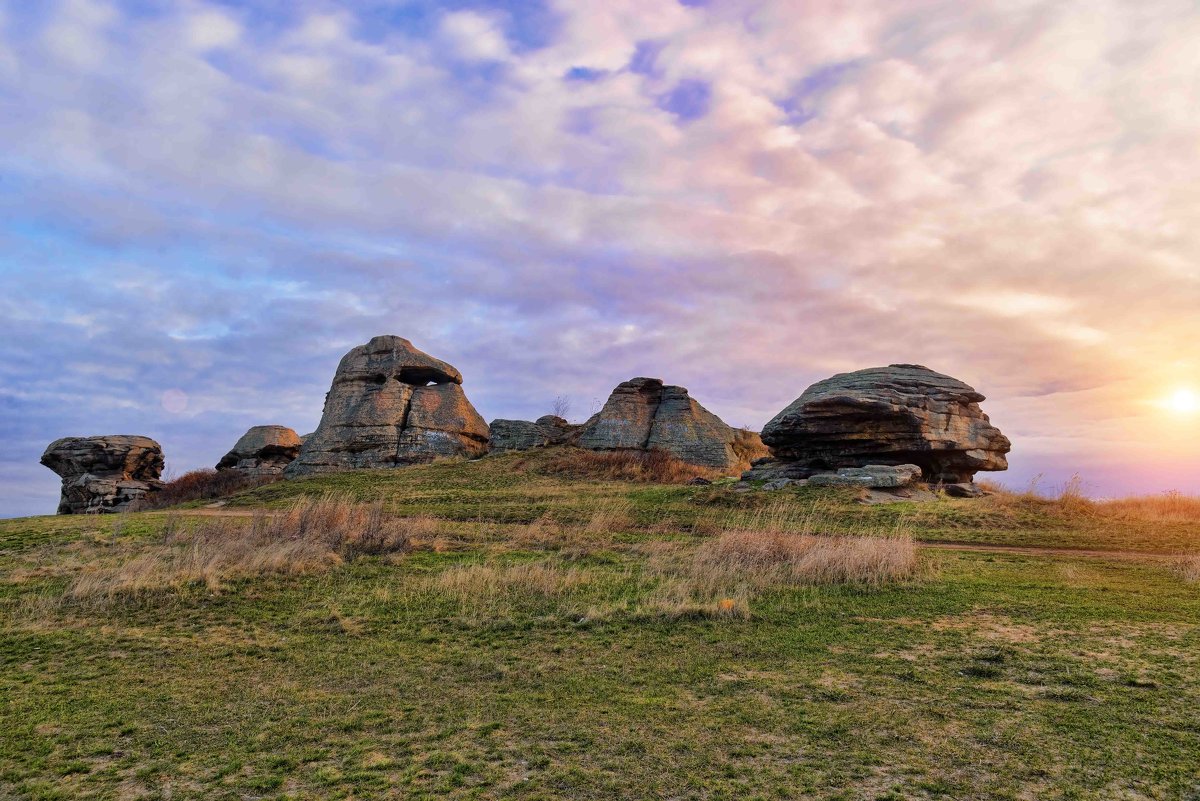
(895, 415)
(104, 474)
(263, 451)
(391, 405)
(645, 414)
(523, 435)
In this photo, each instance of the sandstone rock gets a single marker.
(901, 414)
(645, 414)
(263, 450)
(390, 405)
(872, 497)
(769, 468)
(967, 490)
(783, 483)
(104, 474)
(872, 476)
(699, 481)
(522, 435)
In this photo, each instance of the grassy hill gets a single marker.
(518, 627)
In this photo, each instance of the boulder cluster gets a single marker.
(884, 429)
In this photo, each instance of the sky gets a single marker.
(204, 204)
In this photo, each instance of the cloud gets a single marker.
(740, 197)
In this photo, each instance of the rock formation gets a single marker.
(263, 451)
(391, 404)
(522, 435)
(901, 414)
(645, 414)
(104, 474)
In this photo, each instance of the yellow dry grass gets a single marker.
(309, 536)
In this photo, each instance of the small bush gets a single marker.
(202, 485)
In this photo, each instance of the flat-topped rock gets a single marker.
(872, 476)
(104, 474)
(900, 414)
(263, 450)
(646, 414)
(391, 405)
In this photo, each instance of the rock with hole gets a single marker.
(391, 405)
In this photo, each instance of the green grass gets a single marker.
(993, 676)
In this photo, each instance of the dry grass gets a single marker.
(199, 485)
(1070, 501)
(649, 467)
(771, 558)
(310, 536)
(1188, 568)
(748, 446)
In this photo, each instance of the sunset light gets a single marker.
(1184, 401)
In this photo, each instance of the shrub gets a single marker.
(1188, 568)
(206, 484)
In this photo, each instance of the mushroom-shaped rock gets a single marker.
(646, 414)
(104, 474)
(263, 451)
(901, 414)
(522, 435)
(391, 405)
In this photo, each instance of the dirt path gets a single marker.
(937, 545)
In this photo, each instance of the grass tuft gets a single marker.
(309, 536)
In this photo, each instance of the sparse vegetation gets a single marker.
(472, 630)
(648, 467)
(204, 485)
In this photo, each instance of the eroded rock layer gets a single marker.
(263, 450)
(645, 414)
(522, 435)
(391, 405)
(104, 474)
(900, 414)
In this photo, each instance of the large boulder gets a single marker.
(262, 451)
(895, 415)
(391, 405)
(645, 414)
(104, 474)
(522, 435)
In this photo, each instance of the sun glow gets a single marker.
(1184, 401)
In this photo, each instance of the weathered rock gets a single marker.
(522, 435)
(872, 476)
(967, 490)
(391, 405)
(263, 451)
(769, 468)
(104, 474)
(901, 414)
(645, 414)
(699, 481)
(783, 483)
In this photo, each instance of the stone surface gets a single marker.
(646, 414)
(872, 497)
(872, 476)
(391, 405)
(967, 490)
(263, 450)
(104, 474)
(770, 469)
(522, 435)
(901, 414)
